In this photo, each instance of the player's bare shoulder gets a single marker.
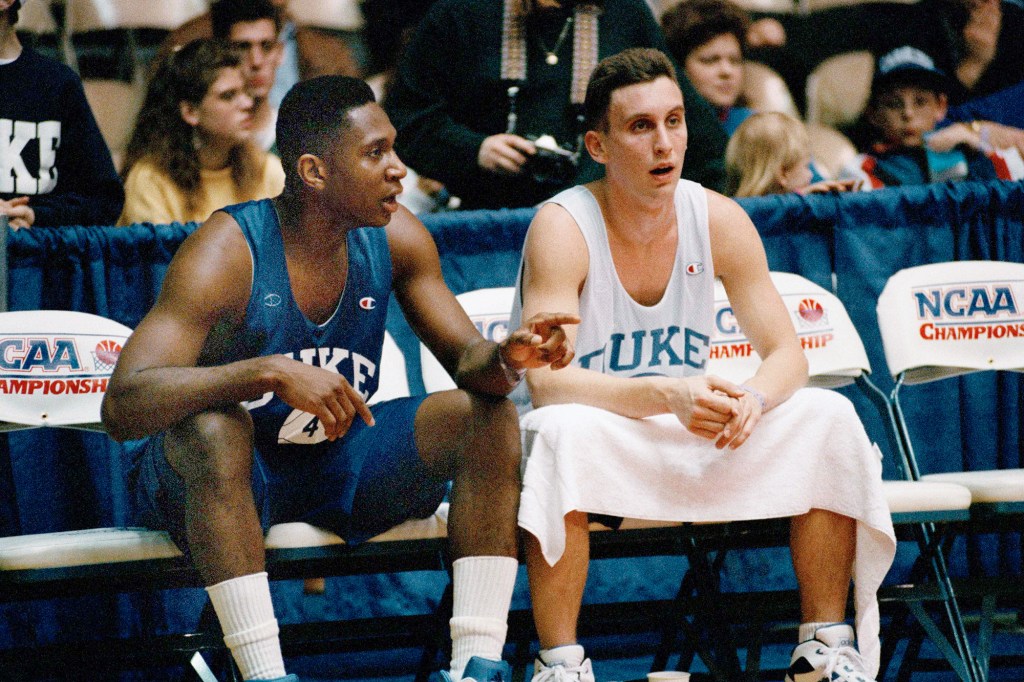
(735, 242)
(554, 238)
(213, 267)
(411, 245)
(725, 215)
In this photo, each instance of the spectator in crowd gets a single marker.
(707, 38)
(390, 25)
(909, 96)
(488, 96)
(55, 168)
(192, 151)
(635, 428)
(251, 28)
(248, 382)
(978, 43)
(770, 153)
(306, 51)
(995, 121)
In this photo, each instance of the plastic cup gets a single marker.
(668, 676)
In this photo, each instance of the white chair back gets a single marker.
(98, 15)
(834, 350)
(393, 382)
(35, 17)
(340, 15)
(489, 309)
(838, 89)
(54, 367)
(945, 319)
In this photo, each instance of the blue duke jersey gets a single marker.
(349, 343)
(621, 337)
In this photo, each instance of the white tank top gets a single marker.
(621, 337)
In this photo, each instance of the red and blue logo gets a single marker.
(367, 303)
(968, 311)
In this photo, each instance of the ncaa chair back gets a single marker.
(488, 309)
(950, 319)
(835, 353)
(54, 367)
(946, 319)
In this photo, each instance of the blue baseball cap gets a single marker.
(908, 66)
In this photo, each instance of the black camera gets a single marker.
(552, 164)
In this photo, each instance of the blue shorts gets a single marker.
(359, 486)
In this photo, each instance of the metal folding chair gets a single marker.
(836, 358)
(946, 320)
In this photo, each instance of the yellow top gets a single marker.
(151, 196)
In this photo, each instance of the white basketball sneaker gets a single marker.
(563, 664)
(830, 657)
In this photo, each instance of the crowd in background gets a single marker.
(486, 98)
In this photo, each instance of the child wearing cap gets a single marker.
(908, 99)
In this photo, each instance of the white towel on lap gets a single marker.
(811, 452)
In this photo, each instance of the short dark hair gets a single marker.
(690, 24)
(226, 13)
(629, 67)
(312, 114)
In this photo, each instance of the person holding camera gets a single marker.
(488, 97)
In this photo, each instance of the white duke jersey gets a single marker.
(621, 337)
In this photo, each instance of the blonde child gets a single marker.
(770, 154)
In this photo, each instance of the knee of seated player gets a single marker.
(213, 447)
(479, 432)
(496, 427)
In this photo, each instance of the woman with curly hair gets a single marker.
(192, 151)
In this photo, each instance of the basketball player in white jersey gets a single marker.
(635, 255)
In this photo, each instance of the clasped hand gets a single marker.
(716, 409)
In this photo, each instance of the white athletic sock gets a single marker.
(246, 616)
(482, 593)
(569, 655)
(807, 630)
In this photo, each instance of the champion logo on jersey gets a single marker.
(694, 268)
(367, 303)
(272, 300)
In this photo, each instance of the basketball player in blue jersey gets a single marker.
(248, 381)
(635, 428)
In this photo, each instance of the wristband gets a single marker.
(512, 376)
(757, 394)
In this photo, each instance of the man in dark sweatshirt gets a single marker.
(55, 168)
(488, 104)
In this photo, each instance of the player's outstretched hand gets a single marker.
(322, 393)
(540, 341)
(705, 405)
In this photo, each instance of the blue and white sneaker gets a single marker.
(830, 657)
(566, 663)
(561, 672)
(286, 678)
(479, 670)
